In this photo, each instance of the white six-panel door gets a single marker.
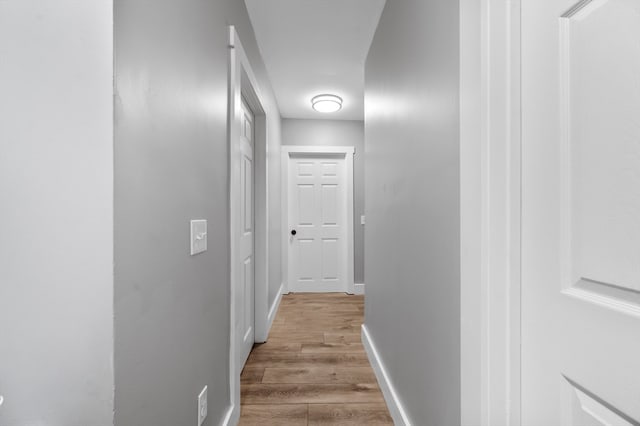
(317, 223)
(247, 276)
(580, 212)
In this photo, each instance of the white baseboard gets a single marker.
(397, 411)
(274, 308)
(358, 288)
(232, 417)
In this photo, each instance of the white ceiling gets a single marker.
(312, 47)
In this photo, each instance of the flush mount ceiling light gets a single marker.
(326, 103)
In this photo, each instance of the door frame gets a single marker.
(490, 164)
(286, 152)
(242, 83)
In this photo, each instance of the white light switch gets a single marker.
(198, 236)
(362, 220)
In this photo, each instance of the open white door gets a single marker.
(247, 236)
(319, 225)
(580, 212)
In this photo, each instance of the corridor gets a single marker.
(313, 370)
(180, 180)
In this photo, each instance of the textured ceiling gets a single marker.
(315, 46)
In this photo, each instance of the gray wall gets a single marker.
(171, 309)
(412, 248)
(56, 213)
(340, 133)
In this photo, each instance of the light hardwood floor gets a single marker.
(313, 370)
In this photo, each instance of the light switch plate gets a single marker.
(202, 406)
(198, 236)
(362, 220)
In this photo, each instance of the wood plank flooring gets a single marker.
(313, 370)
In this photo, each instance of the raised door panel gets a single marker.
(305, 168)
(329, 168)
(248, 280)
(306, 259)
(601, 66)
(247, 184)
(329, 207)
(305, 204)
(330, 260)
(589, 410)
(247, 124)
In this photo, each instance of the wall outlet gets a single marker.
(202, 406)
(198, 236)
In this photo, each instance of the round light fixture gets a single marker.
(326, 103)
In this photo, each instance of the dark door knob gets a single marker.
(293, 232)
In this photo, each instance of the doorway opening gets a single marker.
(248, 216)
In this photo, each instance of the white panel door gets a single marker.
(580, 212)
(247, 279)
(317, 223)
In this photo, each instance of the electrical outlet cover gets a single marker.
(202, 406)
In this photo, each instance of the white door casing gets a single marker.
(580, 212)
(490, 157)
(247, 270)
(318, 202)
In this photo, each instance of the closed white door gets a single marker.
(317, 213)
(247, 280)
(580, 212)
